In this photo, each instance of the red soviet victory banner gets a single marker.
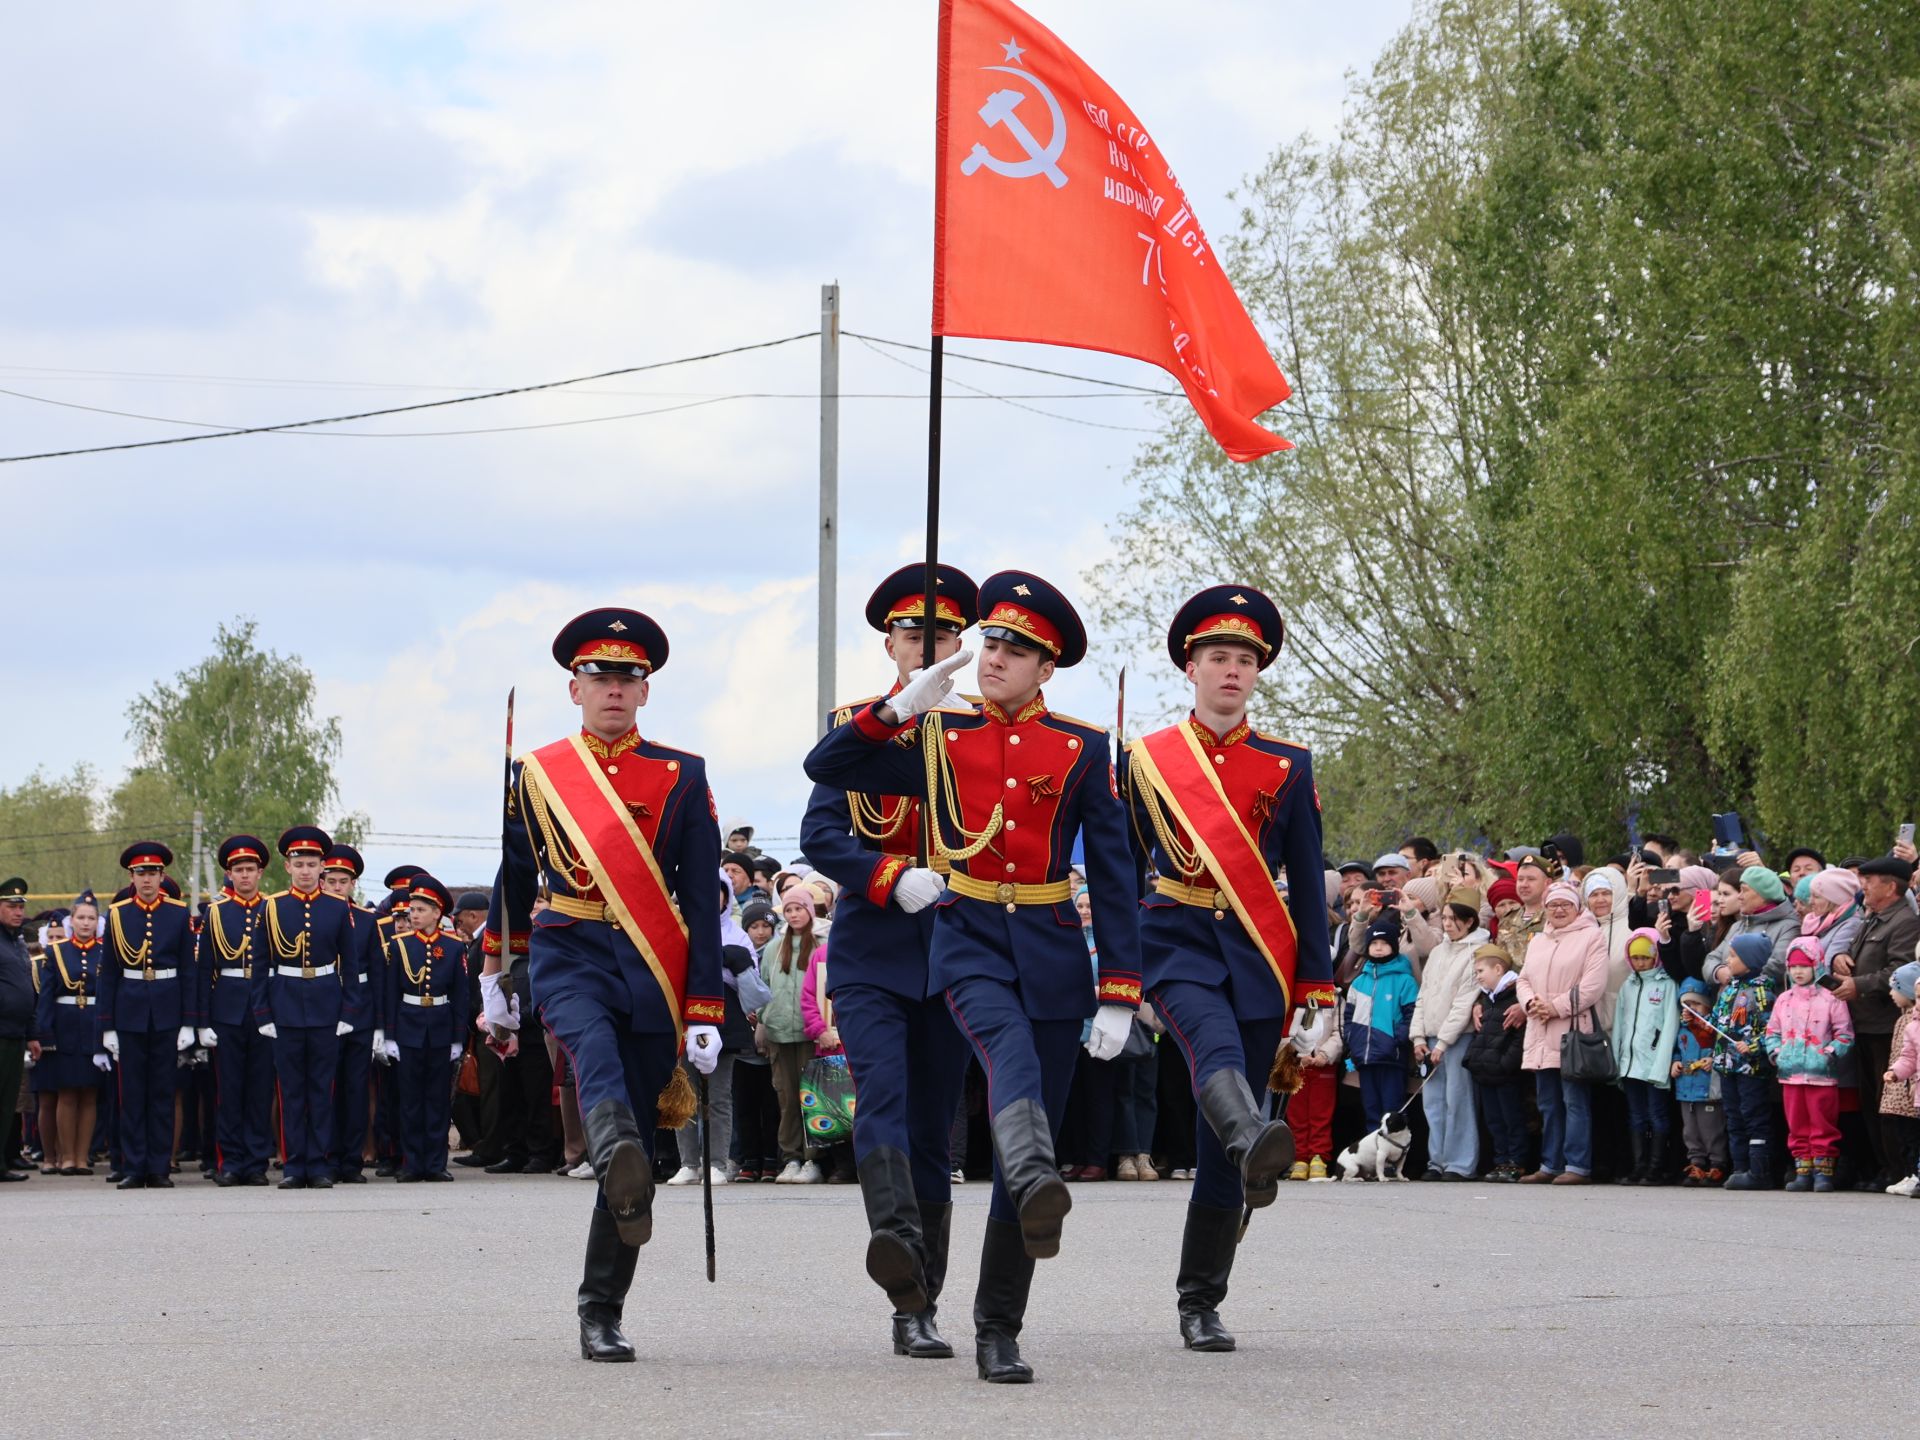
(1058, 220)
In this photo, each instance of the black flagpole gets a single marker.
(931, 588)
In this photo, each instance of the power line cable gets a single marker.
(405, 409)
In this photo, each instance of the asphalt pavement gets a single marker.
(1416, 1309)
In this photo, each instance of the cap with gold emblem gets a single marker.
(14, 890)
(146, 855)
(1227, 615)
(901, 599)
(611, 642)
(1026, 610)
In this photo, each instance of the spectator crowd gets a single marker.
(1659, 1016)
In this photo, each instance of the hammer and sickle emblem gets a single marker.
(999, 110)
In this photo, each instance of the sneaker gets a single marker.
(1299, 1170)
(748, 1175)
(1316, 1169)
(791, 1175)
(1144, 1168)
(717, 1175)
(685, 1175)
(582, 1171)
(959, 1176)
(1127, 1169)
(1905, 1187)
(809, 1174)
(1713, 1175)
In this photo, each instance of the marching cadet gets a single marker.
(390, 919)
(304, 947)
(1217, 807)
(362, 1011)
(1012, 785)
(242, 1056)
(426, 995)
(906, 1055)
(626, 956)
(147, 999)
(71, 1060)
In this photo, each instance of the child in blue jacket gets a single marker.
(1379, 1018)
(1696, 1085)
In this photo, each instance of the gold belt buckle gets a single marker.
(427, 1000)
(306, 972)
(147, 974)
(81, 1001)
(1003, 892)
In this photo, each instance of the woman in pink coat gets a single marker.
(1562, 982)
(816, 1011)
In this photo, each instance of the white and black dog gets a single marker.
(1380, 1155)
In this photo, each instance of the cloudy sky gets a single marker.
(234, 214)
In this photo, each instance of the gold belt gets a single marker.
(1198, 896)
(1053, 892)
(583, 909)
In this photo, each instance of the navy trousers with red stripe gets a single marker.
(908, 1061)
(1024, 1058)
(1203, 1024)
(243, 1099)
(147, 1065)
(303, 1057)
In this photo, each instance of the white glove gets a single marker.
(29, 1060)
(101, 1062)
(1109, 1034)
(208, 1038)
(379, 1044)
(392, 1048)
(495, 1006)
(110, 1042)
(929, 689)
(340, 1028)
(269, 1031)
(916, 889)
(458, 1050)
(703, 1048)
(184, 1040)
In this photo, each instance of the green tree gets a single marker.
(49, 833)
(237, 736)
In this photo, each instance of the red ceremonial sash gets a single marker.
(1175, 764)
(611, 846)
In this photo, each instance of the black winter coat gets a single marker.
(1493, 1051)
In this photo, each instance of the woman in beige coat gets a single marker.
(1440, 1015)
(1561, 984)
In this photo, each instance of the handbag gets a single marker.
(469, 1078)
(826, 1100)
(1585, 1055)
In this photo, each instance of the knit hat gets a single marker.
(1697, 877)
(1803, 890)
(1386, 928)
(1494, 952)
(1906, 979)
(805, 894)
(1836, 887)
(1561, 890)
(1501, 891)
(1692, 986)
(1424, 892)
(1764, 883)
(1752, 950)
(755, 911)
(1643, 942)
(1805, 951)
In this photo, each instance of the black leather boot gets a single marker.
(915, 1334)
(1000, 1304)
(1023, 1140)
(1637, 1145)
(893, 1215)
(1206, 1260)
(1262, 1149)
(603, 1290)
(621, 1166)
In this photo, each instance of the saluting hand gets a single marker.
(928, 689)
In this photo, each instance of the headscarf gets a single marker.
(1697, 877)
(1605, 878)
